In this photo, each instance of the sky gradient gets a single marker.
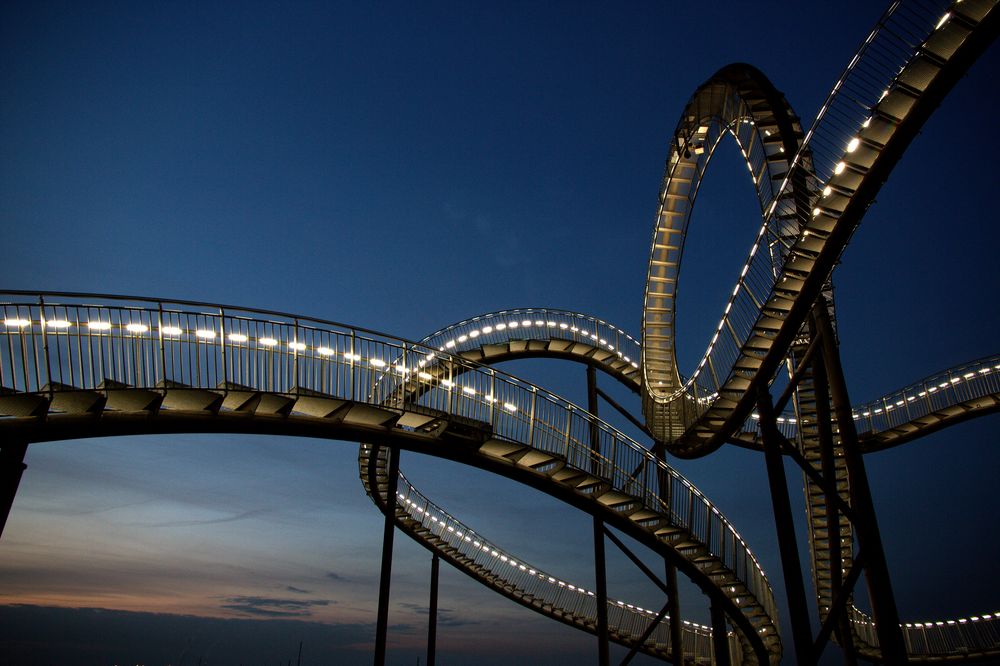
(402, 168)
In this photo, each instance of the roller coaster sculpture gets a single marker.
(74, 365)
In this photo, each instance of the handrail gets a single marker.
(155, 345)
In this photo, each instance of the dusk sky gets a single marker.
(401, 167)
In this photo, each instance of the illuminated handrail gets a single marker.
(54, 343)
(970, 636)
(544, 589)
(537, 324)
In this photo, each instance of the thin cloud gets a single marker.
(273, 606)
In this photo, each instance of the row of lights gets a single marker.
(490, 550)
(539, 323)
(902, 401)
(294, 345)
(502, 325)
(949, 623)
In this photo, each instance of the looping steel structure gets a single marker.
(76, 365)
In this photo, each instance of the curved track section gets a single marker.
(77, 366)
(492, 566)
(739, 101)
(963, 392)
(859, 135)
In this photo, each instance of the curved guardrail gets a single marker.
(491, 565)
(966, 390)
(71, 354)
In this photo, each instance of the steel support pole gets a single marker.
(432, 613)
(389, 529)
(791, 567)
(890, 634)
(720, 638)
(674, 610)
(824, 428)
(600, 566)
(11, 468)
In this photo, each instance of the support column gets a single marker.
(720, 639)
(791, 567)
(890, 634)
(382, 625)
(600, 568)
(674, 610)
(824, 428)
(432, 614)
(11, 468)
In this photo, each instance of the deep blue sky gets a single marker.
(401, 167)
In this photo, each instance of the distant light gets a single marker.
(447, 383)
(487, 330)
(268, 342)
(500, 327)
(944, 19)
(512, 324)
(98, 325)
(853, 144)
(136, 328)
(510, 407)
(449, 344)
(827, 191)
(468, 390)
(352, 357)
(19, 323)
(57, 323)
(237, 337)
(463, 338)
(377, 362)
(426, 376)
(325, 351)
(839, 169)
(526, 323)
(474, 334)
(295, 345)
(564, 326)
(172, 330)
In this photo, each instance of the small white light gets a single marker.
(449, 344)
(487, 330)
(295, 345)
(853, 144)
(944, 19)
(325, 351)
(205, 334)
(474, 334)
(377, 362)
(57, 323)
(468, 390)
(268, 342)
(447, 383)
(839, 169)
(136, 328)
(500, 327)
(426, 376)
(18, 323)
(237, 337)
(564, 326)
(827, 191)
(510, 407)
(171, 330)
(816, 211)
(463, 338)
(97, 325)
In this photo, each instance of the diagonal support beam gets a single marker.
(837, 610)
(637, 562)
(11, 468)
(647, 633)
